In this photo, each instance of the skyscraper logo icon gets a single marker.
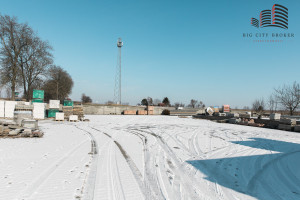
(277, 17)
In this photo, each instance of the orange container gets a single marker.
(142, 112)
(129, 112)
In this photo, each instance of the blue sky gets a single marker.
(178, 49)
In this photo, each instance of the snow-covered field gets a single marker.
(150, 157)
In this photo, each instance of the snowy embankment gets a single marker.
(151, 157)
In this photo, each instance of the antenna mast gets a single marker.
(117, 95)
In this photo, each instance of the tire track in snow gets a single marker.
(113, 181)
(137, 174)
(88, 187)
(152, 179)
(187, 182)
(143, 184)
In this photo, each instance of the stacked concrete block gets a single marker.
(285, 127)
(1, 129)
(14, 132)
(19, 115)
(297, 128)
(73, 118)
(200, 112)
(288, 121)
(54, 104)
(275, 116)
(67, 110)
(234, 120)
(37, 133)
(232, 115)
(6, 130)
(2, 108)
(26, 133)
(38, 110)
(236, 115)
(78, 110)
(20, 102)
(248, 116)
(9, 109)
(27, 123)
(209, 111)
(59, 116)
(24, 107)
(216, 110)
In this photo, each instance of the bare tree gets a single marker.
(59, 85)
(156, 102)
(34, 62)
(258, 105)
(86, 99)
(13, 39)
(1, 88)
(150, 101)
(201, 104)
(289, 97)
(246, 108)
(109, 102)
(24, 57)
(193, 103)
(177, 105)
(8, 92)
(272, 103)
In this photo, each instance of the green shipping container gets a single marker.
(52, 112)
(68, 103)
(38, 94)
(37, 100)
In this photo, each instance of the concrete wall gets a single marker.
(117, 110)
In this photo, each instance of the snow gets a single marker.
(52, 167)
(151, 157)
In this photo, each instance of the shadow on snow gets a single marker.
(267, 176)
